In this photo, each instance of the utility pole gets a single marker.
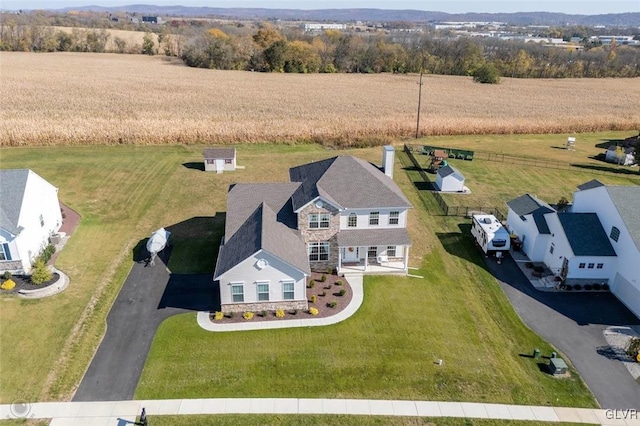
(419, 102)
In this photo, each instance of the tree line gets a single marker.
(269, 49)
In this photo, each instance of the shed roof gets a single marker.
(347, 182)
(219, 153)
(527, 204)
(449, 170)
(585, 234)
(13, 183)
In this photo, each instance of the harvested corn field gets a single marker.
(86, 98)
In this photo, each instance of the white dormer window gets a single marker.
(353, 220)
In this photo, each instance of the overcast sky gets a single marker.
(582, 7)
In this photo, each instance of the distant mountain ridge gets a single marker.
(375, 15)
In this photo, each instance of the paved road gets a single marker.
(149, 295)
(574, 323)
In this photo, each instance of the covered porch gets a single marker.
(373, 251)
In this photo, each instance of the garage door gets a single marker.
(627, 293)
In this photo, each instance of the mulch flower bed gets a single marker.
(325, 292)
(24, 283)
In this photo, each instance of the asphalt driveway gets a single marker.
(149, 295)
(574, 323)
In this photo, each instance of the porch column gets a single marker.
(406, 258)
(366, 258)
(339, 258)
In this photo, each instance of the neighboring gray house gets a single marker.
(340, 214)
(219, 159)
(29, 216)
(449, 179)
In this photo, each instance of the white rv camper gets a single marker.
(490, 235)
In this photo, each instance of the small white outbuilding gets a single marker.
(219, 159)
(449, 179)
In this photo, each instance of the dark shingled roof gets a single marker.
(347, 182)
(373, 237)
(219, 153)
(527, 204)
(585, 234)
(259, 216)
(593, 183)
(261, 231)
(627, 202)
(449, 170)
(12, 186)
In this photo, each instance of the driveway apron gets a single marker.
(149, 295)
(574, 323)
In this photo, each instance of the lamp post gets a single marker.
(419, 102)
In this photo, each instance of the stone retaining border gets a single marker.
(50, 290)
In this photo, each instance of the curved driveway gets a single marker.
(574, 323)
(149, 295)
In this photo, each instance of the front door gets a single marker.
(219, 165)
(350, 254)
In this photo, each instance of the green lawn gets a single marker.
(386, 350)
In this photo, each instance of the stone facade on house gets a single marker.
(266, 306)
(328, 234)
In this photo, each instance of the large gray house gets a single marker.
(340, 214)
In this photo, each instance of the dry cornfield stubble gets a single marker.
(85, 98)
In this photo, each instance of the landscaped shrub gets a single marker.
(597, 286)
(605, 287)
(323, 278)
(263, 314)
(218, 315)
(46, 254)
(7, 275)
(577, 287)
(339, 282)
(342, 292)
(230, 314)
(323, 294)
(328, 287)
(588, 286)
(41, 274)
(313, 311)
(538, 268)
(314, 298)
(8, 285)
(332, 304)
(529, 265)
(311, 284)
(294, 312)
(280, 313)
(247, 315)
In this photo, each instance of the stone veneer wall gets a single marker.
(265, 306)
(330, 234)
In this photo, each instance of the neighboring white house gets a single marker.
(526, 218)
(29, 215)
(219, 159)
(340, 214)
(449, 179)
(620, 155)
(618, 210)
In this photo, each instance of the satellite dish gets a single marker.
(157, 242)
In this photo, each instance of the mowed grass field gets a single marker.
(86, 99)
(493, 183)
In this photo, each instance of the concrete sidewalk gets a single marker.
(355, 281)
(121, 413)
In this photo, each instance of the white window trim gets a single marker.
(395, 250)
(352, 215)
(320, 220)
(236, 284)
(293, 290)
(374, 215)
(395, 218)
(258, 284)
(318, 244)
